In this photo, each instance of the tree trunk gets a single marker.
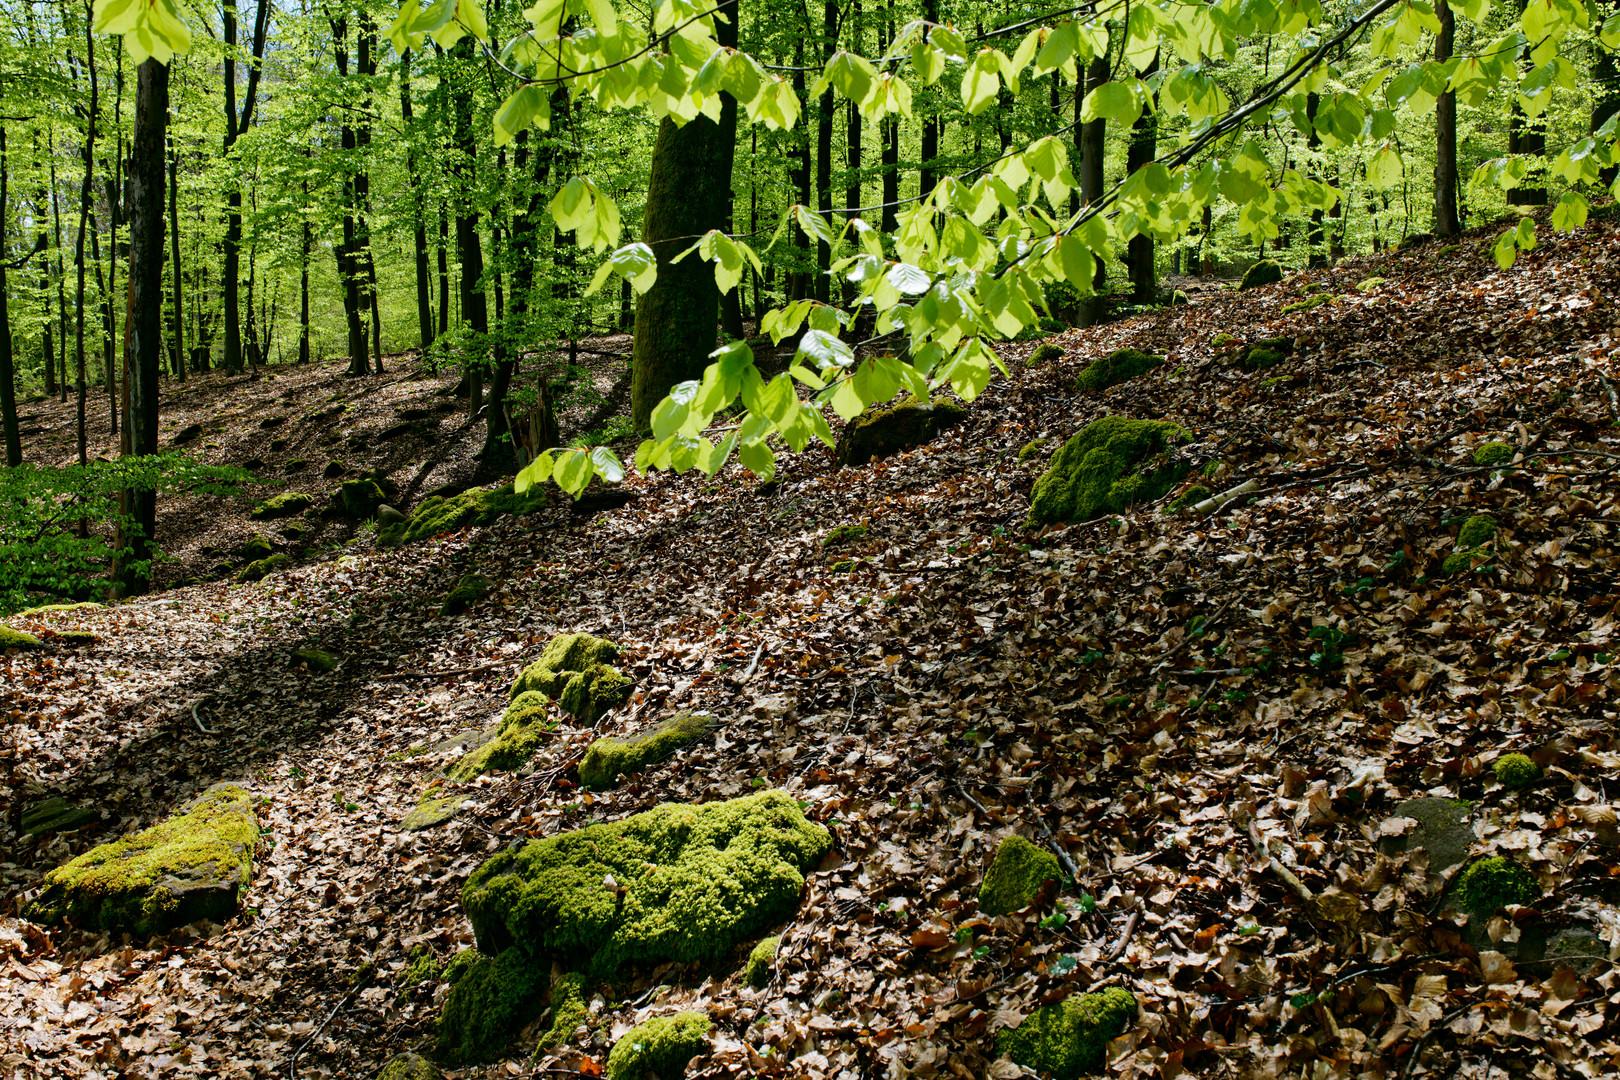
(469, 249)
(1605, 76)
(144, 336)
(927, 175)
(366, 64)
(78, 252)
(1527, 135)
(8, 377)
(346, 254)
(179, 352)
(1093, 147)
(799, 284)
(1445, 133)
(824, 141)
(424, 280)
(444, 269)
(688, 193)
(1144, 147)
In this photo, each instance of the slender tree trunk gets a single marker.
(799, 284)
(8, 377)
(179, 358)
(61, 273)
(927, 170)
(348, 262)
(1605, 76)
(366, 63)
(688, 193)
(1527, 135)
(424, 281)
(824, 141)
(1144, 147)
(1093, 148)
(84, 218)
(469, 250)
(145, 335)
(1445, 133)
(444, 269)
(303, 283)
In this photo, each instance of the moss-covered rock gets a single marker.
(884, 430)
(334, 469)
(661, 1046)
(409, 1067)
(491, 1001)
(54, 814)
(524, 726)
(1444, 829)
(1515, 770)
(1369, 284)
(1016, 876)
(574, 671)
(190, 867)
(1307, 304)
(1462, 562)
(1045, 353)
(75, 637)
(843, 566)
(1191, 497)
(255, 548)
(1105, 468)
(86, 605)
(1070, 1038)
(1489, 884)
(434, 808)
(568, 1010)
(1119, 366)
(1493, 453)
(315, 659)
(761, 961)
(468, 591)
(1033, 448)
(1266, 353)
(479, 506)
(1476, 531)
(692, 883)
(609, 759)
(359, 499)
(17, 639)
(1264, 272)
(260, 569)
(287, 504)
(423, 966)
(843, 534)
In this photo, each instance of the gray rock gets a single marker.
(1444, 829)
(387, 515)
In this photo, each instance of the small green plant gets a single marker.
(1515, 770)
(1329, 642)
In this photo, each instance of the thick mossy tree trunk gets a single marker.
(1446, 221)
(144, 334)
(688, 193)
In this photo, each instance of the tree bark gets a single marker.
(424, 280)
(688, 193)
(824, 141)
(236, 125)
(8, 376)
(1527, 136)
(799, 283)
(1093, 147)
(469, 249)
(1144, 147)
(927, 176)
(178, 358)
(78, 253)
(144, 335)
(347, 253)
(1446, 222)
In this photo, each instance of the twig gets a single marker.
(1125, 937)
(1264, 848)
(1063, 856)
(1216, 502)
(1188, 639)
(198, 719)
(292, 1066)
(1417, 1047)
(754, 663)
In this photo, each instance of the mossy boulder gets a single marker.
(255, 548)
(193, 866)
(662, 1046)
(468, 591)
(479, 506)
(1119, 366)
(432, 809)
(334, 469)
(1515, 770)
(54, 814)
(17, 639)
(1266, 353)
(1487, 885)
(1016, 876)
(1476, 531)
(884, 430)
(1044, 353)
(287, 504)
(491, 1001)
(524, 726)
(609, 759)
(315, 659)
(1033, 448)
(1306, 305)
(1444, 829)
(409, 1067)
(1112, 463)
(568, 1010)
(1493, 453)
(259, 569)
(1264, 272)
(359, 499)
(84, 605)
(1070, 1038)
(682, 883)
(761, 961)
(574, 671)
(843, 534)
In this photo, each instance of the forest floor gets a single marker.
(1182, 704)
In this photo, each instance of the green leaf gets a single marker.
(758, 459)
(573, 471)
(1385, 169)
(1570, 213)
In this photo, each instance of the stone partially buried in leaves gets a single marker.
(609, 759)
(468, 591)
(1119, 366)
(1264, 272)
(439, 514)
(1109, 465)
(1444, 829)
(662, 1046)
(1070, 1039)
(1493, 883)
(287, 504)
(574, 671)
(17, 639)
(54, 814)
(260, 569)
(491, 1001)
(524, 725)
(682, 883)
(1015, 876)
(884, 430)
(192, 866)
(409, 1067)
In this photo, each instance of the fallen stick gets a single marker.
(1288, 876)
(1215, 502)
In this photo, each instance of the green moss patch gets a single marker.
(315, 659)
(574, 671)
(1070, 1039)
(1463, 562)
(661, 1046)
(1016, 876)
(409, 1067)
(568, 1010)
(17, 639)
(260, 569)
(254, 548)
(54, 814)
(1108, 466)
(843, 534)
(190, 867)
(1477, 530)
(609, 759)
(1191, 497)
(1119, 366)
(468, 591)
(334, 469)
(1307, 304)
(43, 608)
(1493, 883)
(359, 499)
(1515, 770)
(1264, 272)
(1044, 354)
(882, 431)
(435, 807)
(476, 507)
(493, 998)
(692, 883)
(423, 967)
(524, 726)
(1493, 453)
(287, 504)
(761, 961)
(1033, 448)
(1369, 284)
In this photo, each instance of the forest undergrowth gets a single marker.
(1213, 717)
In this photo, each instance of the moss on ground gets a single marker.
(359, 499)
(75, 637)
(1119, 366)
(255, 548)
(693, 882)
(192, 866)
(1476, 531)
(476, 507)
(423, 966)
(1016, 876)
(1105, 468)
(662, 1046)
(1515, 770)
(609, 759)
(1489, 884)
(1264, 272)
(260, 569)
(1493, 453)
(433, 808)
(761, 961)
(491, 1001)
(409, 1067)
(17, 639)
(568, 1011)
(1033, 448)
(467, 592)
(1258, 358)
(43, 608)
(286, 504)
(1070, 1038)
(1369, 284)
(885, 430)
(843, 534)
(574, 671)
(1463, 561)
(1191, 497)
(315, 659)
(1306, 304)
(524, 726)
(1044, 354)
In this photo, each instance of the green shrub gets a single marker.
(1515, 770)
(1105, 468)
(1264, 272)
(662, 1046)
(1119, 366)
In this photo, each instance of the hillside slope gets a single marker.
(1213, 717)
